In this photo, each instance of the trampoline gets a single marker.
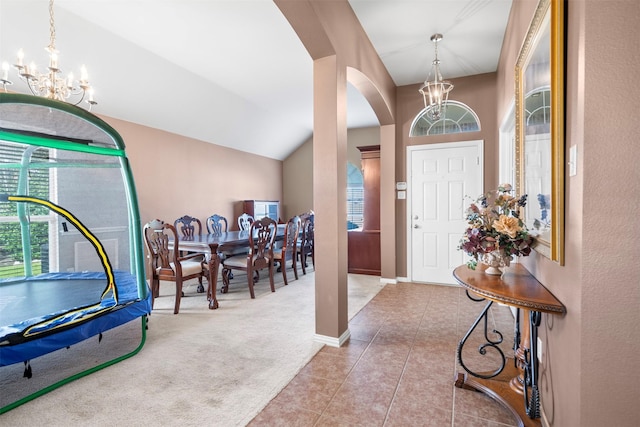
(71, 258)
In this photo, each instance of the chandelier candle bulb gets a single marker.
(53, 62)
(20, 58)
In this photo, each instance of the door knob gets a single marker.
(416, 226)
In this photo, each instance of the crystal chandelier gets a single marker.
(51, 84)
(435, 92)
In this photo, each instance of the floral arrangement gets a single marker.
(495, 225)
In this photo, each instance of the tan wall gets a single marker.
(298, 169)
(585, 374)
(297, 180)
(610, 205)
(176, 176)
(477, 92)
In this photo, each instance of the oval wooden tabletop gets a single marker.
(516, 287)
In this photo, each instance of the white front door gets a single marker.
(441, 178)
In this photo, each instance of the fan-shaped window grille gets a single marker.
(457, 118)
(537, 105)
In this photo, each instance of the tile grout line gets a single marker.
(404, 367)
(350, 370)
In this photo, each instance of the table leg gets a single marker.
(520, 354)
(531, 392)
(514, 382)
(214, 264)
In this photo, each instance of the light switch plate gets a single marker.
(402, 194)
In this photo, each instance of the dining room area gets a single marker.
(260, 242)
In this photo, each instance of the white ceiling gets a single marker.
(233, 72)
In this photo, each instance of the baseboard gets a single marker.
(332, 341)
(544, 422)
(388, 281)
(403, 279)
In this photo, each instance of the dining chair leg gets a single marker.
(155, 290)
(200, 288)
(283, 267)
(250, 281)
(273, 286)
(226, 273)
(176, 309)
(302, 263)
(294, 263)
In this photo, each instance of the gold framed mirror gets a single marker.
(540, 128)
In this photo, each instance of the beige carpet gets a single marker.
(200, 367)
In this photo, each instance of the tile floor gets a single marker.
(398, 368)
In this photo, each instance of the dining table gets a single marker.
(212, 245)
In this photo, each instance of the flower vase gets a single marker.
(496, 261)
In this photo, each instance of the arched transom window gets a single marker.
(457, 118)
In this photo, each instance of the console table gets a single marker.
(514, 384)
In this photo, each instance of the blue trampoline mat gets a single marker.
(26, 303)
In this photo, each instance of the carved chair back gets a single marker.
(216, 224)
(188, 226)
(261, 239)
(244, 221)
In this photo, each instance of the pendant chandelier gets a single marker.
(435, 92)
(51, 84)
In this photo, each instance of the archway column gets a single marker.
(388, 203)
(329, 196)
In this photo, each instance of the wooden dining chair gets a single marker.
(217, 224)
(188, 226)
(262, 235)
(165, 263)
(244, 221)
(306, 243)
(289, 250)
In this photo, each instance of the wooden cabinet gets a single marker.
(364, 244)
(260, 208)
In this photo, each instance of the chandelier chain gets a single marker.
(52, 28)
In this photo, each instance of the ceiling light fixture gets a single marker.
(51, 84)
(436, 91)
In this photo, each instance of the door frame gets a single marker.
(478, 143)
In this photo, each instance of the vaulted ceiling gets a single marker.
(233, 72)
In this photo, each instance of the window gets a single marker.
(457, 118)
(355, 197)
(537, 106)
(35, 182)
